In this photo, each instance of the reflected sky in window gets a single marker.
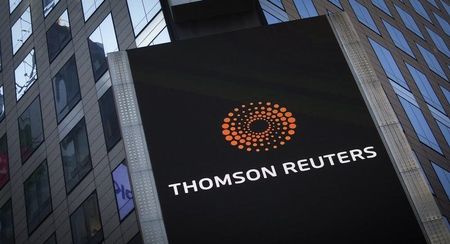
(25, 74)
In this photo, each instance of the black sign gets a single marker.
(262, 136)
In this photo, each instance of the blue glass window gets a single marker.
(388, 63)
(381, 4)
(89, 7)
(13, 4)
(305, 8)
(444, 177)
(446, 6)
(363, 15)
(418, 7)
(398, 38)
(439, 42)
(278, 3)
(419, 124)
(425, 88)
(443, 23)
(432, 62)
(446, 94)
(337, 3)
(122, 188)
(445, 131)
(270, 18)
(409, 21)
(432, 2)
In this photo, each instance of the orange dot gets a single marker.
(236, 109)
(228, 138)
(288, 138)
(282, 142)
(291, 120)
(285, 123)
(225, 126)
(226, 120)
(248, 143)
(275, 147)
(240, 147)
(269, 109)
(234, 143)
(255, 145)
(275, 111)
(283, 109)
(276, 105)
(242, 141)
(288, 114)
(268, 103)
(230, 114)
(268, 113)
(266, 149)
(234, 133)
(232, 128)
(225, 132)
(279, 115)
(237, 137)
(257, 150)
(291, 132)
(283, 118)
(285, 128)
(249, 149)
(292, 126)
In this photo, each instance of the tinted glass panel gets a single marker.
(432, 62)
(37, 197)
(13, 4)
(445, 131)
(142, 12)
(439, 42)
(418, 7)
(110, 123)
(101, 42)
(398, 38)
(30, 130)
(25, 74)
(48, 5)
(270, 18)
(446, 94)
(6, 224)
(89, 7)
(444, 24)
(122, 187)
(51, 240)
(444, 178)
(2, 104)
(388, 63)
(21, 30)
(381, 4)
(58, 36)
(420, 124)
(336, 2)
(446, 6)
(154, 33)
(363, 15)
(305, 8)
(278, 3)
(75, 155)
(409, 21)
(86, 224)
(66, 89)
(4, 162)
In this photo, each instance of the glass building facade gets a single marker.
(63, 174)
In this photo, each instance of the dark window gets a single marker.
(30, 130)
(101, 42)
(85, 222)
(4, 162)
(137, 239)
(51, 239)
(66, 89)
(75, 155)
(122, 187)
(6, 224)
(37, 197)
(2, 104)
(58, 36)
(110, 123)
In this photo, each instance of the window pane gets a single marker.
(445, 131)
(155, 32)
(446, 6)
(444, 24)
(13, 4)
(4, 162)
(278, 3)
(439, 42)
(398, 38)
(89, 7)
(58, 36)
(26, 74)
(433, 2)
(446, 94)
(418, 7)
(270, 18)
(66, 89)
(48, 5)
(75, 155)
(37, 197)
(409, 21)
(337, 3)
(432, 62)
(305, 8)
(51, 239)
(388, 63)
(30, 130)
(142, 12)
(6, 224)
(2, 104)
(444, 177)
(21, 30)
(110, 122)
(425, 88)
(381, 4)
(85, 222)
(420, 125)
(363, 15)
(101, 42)
(122, 187)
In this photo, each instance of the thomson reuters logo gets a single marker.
(259, 126)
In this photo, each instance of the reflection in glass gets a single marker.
(85, 222)
(305, 8)
(13, 4)
(75, 155)
(2, 104)
(6, 224)
(37, 197)
(48, 5)
(4, 162)
(66, 89)
(89, 7)
(432, 62)
(154, 33)
(101, 42)
(439, 42)
(409, 22)
(58, 36)
(363, 15)
(398, 38)
(26, 74)
(444, 177)
(122, 188)
(21, 30)
(110, 122)
(30, 130)
(142, 12)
